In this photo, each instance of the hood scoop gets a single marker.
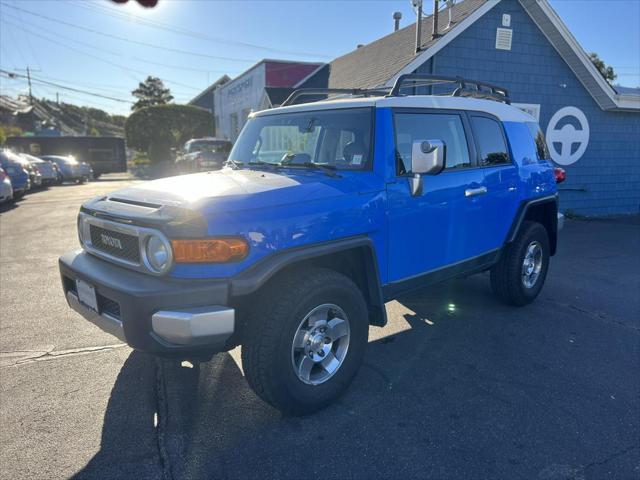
(134, 202)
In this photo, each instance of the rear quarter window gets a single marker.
(541, 143)
(490, 140)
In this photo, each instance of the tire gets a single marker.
(508, 277)
(96, 176)
(271, 362)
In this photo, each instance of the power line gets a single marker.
(190, 33)
(104, 50)
(12, 75)
(124, 39)
(124, 68)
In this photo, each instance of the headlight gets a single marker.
(157, 253)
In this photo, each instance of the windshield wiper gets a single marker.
(233, 164)
(260, 163)
(330, 170)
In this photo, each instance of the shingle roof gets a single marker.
(372, 65)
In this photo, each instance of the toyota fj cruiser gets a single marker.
(325, 211)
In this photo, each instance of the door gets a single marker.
(501, 179)
(437, 227)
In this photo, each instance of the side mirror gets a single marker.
(428, 157)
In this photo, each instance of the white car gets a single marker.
(6, 190)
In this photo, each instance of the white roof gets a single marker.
(504, 112)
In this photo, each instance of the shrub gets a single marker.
(155, 130)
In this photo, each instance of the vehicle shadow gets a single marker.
(8, 206)
(456, 385)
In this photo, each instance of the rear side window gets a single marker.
(541, 143)
(492, 147)
(431, 126)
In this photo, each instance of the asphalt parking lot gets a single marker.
(456, 386)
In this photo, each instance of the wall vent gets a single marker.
(503, 38)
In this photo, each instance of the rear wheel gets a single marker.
(519, 276)
(305, 340)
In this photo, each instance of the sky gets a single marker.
(107, 48)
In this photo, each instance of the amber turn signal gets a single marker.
(212, 250)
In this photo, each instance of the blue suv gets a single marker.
(325, 211)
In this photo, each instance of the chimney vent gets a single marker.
(396, 17)
(435, 19)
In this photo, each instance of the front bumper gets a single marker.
(157, 315)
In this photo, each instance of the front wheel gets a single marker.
(519, 276)
(305, 340)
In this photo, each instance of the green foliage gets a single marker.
(94, 132)
(7, 131)
(606, 71)
(150, 93)
(155, 130)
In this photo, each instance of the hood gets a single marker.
(243, 189)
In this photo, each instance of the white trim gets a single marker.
(532, 109)
(457, 29)
(621, 101)
(504, 112)
(627, 102)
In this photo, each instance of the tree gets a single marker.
(150, 93)
(606, 71)
(155, 130)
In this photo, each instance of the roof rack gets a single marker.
(304, 92)
(465, 87)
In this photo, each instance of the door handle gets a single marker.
(472, 192)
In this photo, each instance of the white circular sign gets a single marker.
(567, 136)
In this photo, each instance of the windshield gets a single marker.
(339, 139)
(207, 145)
(69, 160)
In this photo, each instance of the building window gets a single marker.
(532, 109)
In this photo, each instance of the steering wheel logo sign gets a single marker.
(567, 136)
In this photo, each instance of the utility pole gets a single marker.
(28, 70)
(57, 99)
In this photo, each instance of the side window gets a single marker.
(491, 145)
(541, 143)
(431, 126)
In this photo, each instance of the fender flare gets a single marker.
(253, 278)
(524, 208)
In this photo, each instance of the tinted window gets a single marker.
(491, 145)
(541, 143)
(411, 127)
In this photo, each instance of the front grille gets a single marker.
(114, 243)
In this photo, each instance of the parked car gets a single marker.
(6, 190)
(326, 211)
(13, 166)
(202, 154)
(35, 177)
(57, 170)
(86, 171)
(48, 174)
(70, 169)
